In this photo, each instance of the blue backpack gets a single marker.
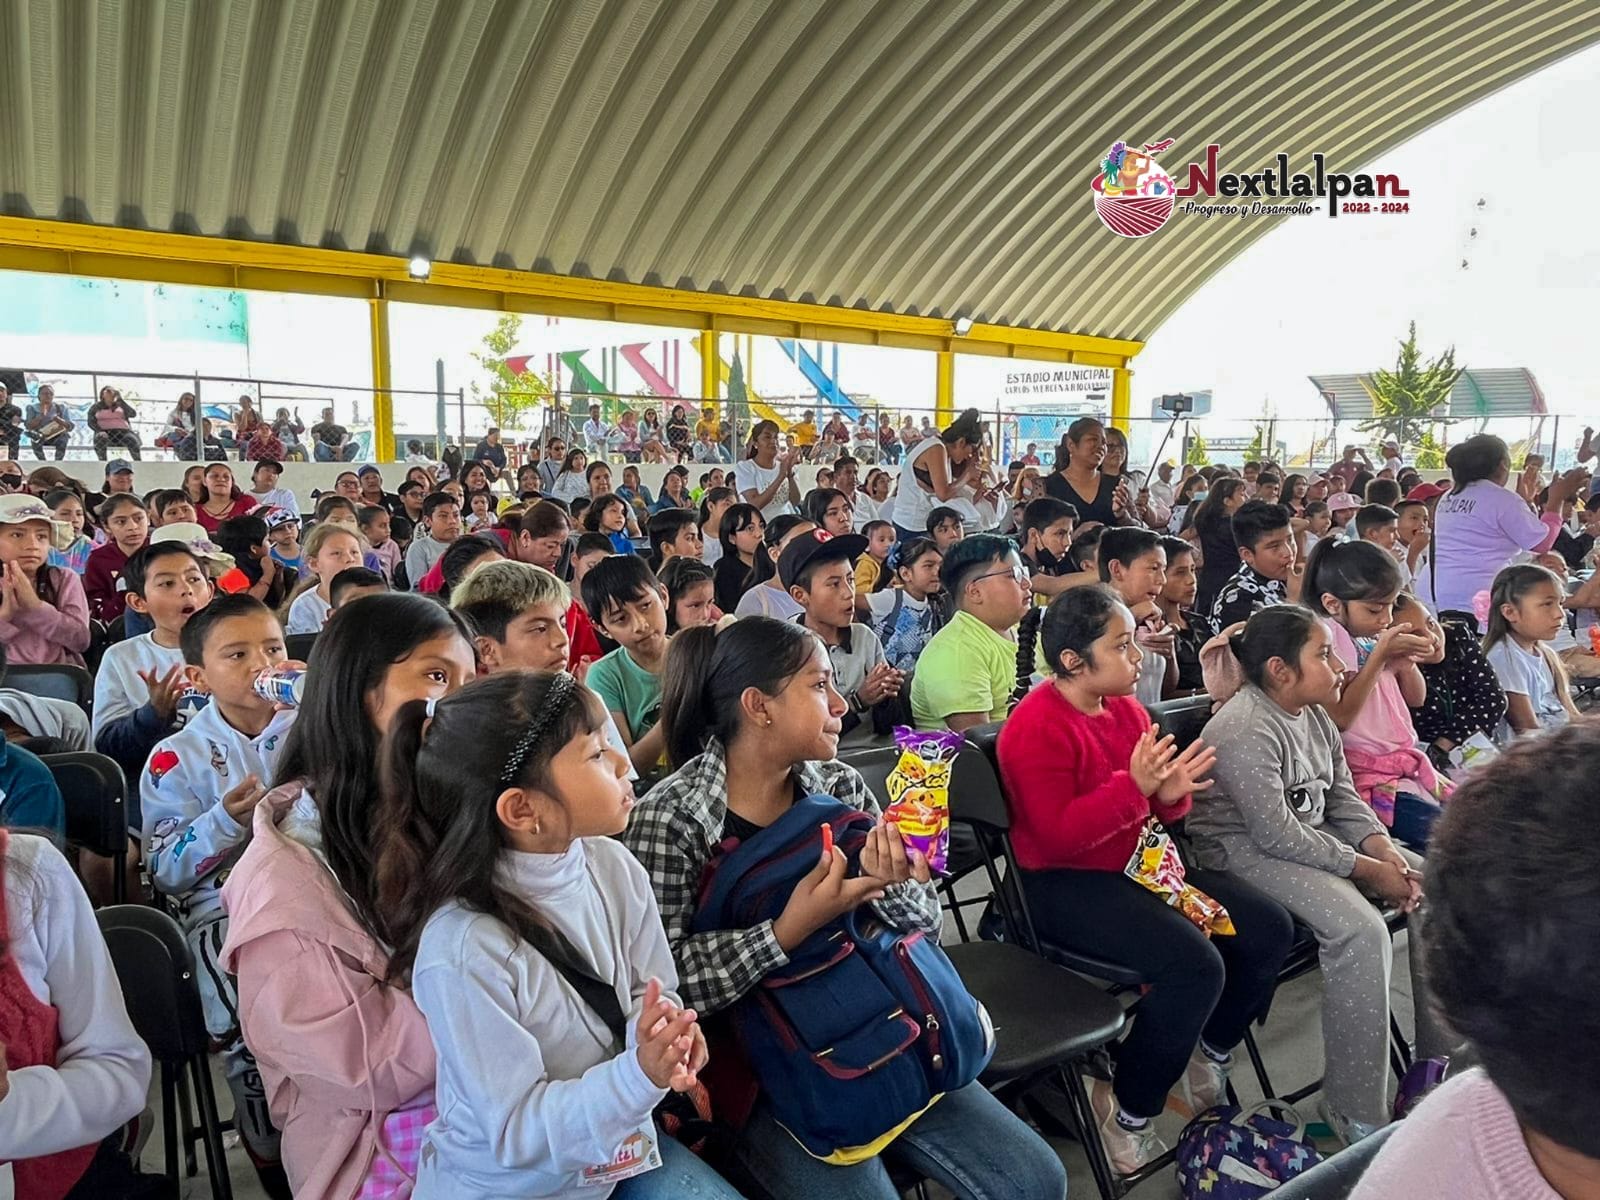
(866, 1026)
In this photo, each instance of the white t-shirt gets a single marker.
(118, 690)
(1530, 675)
(1476, 534)
(711, 550)
(913, 502)
(279, 497)
(1394, 464)
(750, 476)
(308, 613)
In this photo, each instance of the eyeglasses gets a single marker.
(1018, 572)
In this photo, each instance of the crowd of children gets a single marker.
(443, 949)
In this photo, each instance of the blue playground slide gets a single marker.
(828, 390)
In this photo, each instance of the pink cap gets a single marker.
(1343, 500)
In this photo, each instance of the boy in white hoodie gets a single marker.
(197, 792)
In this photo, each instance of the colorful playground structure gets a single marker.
(619, 368)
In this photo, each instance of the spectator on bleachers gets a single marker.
(374, 521)
(934, 471)
(691, 594)
(202, 444)
(1084, 771)
(1211, 528)
(1285, 817)
(47, 424)
(344, 1053)
(1045, 533)
(744, 561)
(1514, 969)
(352, 583)
(464, 553)
(198, 791)
(873, 572)
(674, 533)
(1526, 611)
(289, 428)
(44, 616)
(74, 1069)
(966, 672)
(1265, 554)
(752, 721)
(141, 679)
(245, 539)
(68, 509)
(1080, 478)
(264, 489)
(111, 419)
(330, 441)
(945, 526)
(10, 427)
(764, 477)
(713, 504)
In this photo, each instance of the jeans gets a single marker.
(1413, 820)
(681, 1176)
(59, 443)
(125, 439)
(1194, 986)
(327, 453)
(968, 1142)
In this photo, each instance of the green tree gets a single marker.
(1430, 452)
(738, 395)
(1258, 448)
(506, 393)
(1197, 455)
(1407, 402)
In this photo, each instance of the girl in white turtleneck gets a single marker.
(535, 949)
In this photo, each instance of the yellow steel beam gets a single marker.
(67, 248)
(706, 344)
(944, 388)
(1121, 397)
(382, 397)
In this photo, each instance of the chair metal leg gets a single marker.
(1106, 1180)
(211, 1128)
(1400, 1057)
(191, 1134)
(1258, 1066)
(169, 1121)
(955, 911)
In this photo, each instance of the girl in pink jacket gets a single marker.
(347, 1060)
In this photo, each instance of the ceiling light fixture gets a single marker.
(963, 326)
(419, 267)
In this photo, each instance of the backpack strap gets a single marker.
(600, 996)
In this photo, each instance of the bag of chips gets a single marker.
(919, 791)
(1155, 865)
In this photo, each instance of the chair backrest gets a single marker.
(298, 645)
(58, 681)
(1183, 718)
(156, 972)
(96, 798)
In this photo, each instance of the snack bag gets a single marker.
(1155, 865)
(919, 791)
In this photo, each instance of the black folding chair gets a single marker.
(156, 972)
(96, 798)
(298, 645)
(58, 681)
(1183, 717)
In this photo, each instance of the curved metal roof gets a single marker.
(917, 156)
(1479, 393)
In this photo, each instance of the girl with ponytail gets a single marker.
(533, 947)
(752, 721)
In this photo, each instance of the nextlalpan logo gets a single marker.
(1134, 197)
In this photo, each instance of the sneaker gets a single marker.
(1347, 1131)
(1128, 1149)
(1204, 1085)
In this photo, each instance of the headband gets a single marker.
(562, 689)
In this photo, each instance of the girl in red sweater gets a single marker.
(1084, 769)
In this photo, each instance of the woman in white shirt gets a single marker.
(933, 472)
(573, 481)
(1481, 526)
(764, 477)
(73, 1070)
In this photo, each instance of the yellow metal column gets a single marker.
(944, 388)
(382, 398)
(1121, 397)
(706, 343)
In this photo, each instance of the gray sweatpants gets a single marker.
(1357, 959)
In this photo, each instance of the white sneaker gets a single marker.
(1128, 1149)
(1347, 1131)
(1204, 1085)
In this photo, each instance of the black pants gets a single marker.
(125, 439)
(1194, 987)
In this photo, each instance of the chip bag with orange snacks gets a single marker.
(1155, 865)
(919, 791)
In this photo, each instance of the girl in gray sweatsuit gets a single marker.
(1285, 817)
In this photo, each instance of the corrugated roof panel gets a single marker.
(1480, 392)
(918, 156)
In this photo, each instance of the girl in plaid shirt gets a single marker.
(752, 723)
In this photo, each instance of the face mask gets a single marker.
(11, 481)
(1197, 497)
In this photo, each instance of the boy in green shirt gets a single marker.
(628, 605)
(966, 672)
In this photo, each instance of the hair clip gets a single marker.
(562, 688)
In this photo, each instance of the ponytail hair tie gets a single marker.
(1481, 606)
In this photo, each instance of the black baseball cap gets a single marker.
(817, 546)
(271, 464)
